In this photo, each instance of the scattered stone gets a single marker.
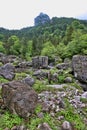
(44, 126)
(19, 128)
(40, 74)
(77, 98)
(66, 126)
(83, 85)
(61, 103)
(40, 115)
(1, 102)
(19, 98)
(67, 60)
(68, 80)
(57, 86)
(8, 58)
(84, 95)
(25, 64)
(14, 128)
(60, 117)
(29, 80)
(54, 77)
(45, 107)
(52, 114)
(6, 129)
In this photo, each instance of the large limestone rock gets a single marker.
(7, 71)
(40, 62)
(19, 98)
(79, 65)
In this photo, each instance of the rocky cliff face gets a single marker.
(41, 19)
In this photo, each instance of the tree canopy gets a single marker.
(62, 37)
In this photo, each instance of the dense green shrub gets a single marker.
(9, 120)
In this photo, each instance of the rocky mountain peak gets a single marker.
(41, 19)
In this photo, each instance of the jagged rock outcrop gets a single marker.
(19, 98)
(41, 19)
(7, 71)
(40, 62)
(79, 65)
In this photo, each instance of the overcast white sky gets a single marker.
(16, 14)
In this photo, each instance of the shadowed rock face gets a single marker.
(19, 98)
(40, 62)
(79, 65)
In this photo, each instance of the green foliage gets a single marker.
(0, 92)
(53, 70)
(77, 86)
(9, 120)
(84, 100)
(77, 46)
(62, 37)
(35, 121)
(20, 76)
(38, 109)
(1, 37)
(77, 25)
(2, 49)
(13, 45)
(68, 34)
(3, 80)
(29, 50)
(48, 50)
(72, 116)
(61, 78)
(1, 64)
(39, 86)
(60, 49)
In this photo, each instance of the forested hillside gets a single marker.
(63, 37)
